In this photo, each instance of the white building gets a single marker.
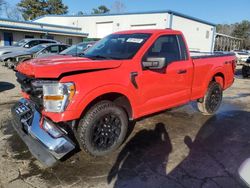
(199, 34)
(12, 31)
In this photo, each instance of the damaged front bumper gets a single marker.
(27, 122)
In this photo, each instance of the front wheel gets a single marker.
(212, 100)
(102, 129)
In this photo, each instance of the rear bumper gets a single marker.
(43, 146)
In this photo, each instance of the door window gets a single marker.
(183, 48)
(53, 49)
(165, 46)
(63, 48)
(31, 44)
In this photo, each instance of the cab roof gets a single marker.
(150, 31)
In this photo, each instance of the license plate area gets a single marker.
(22, 110)
(25, 116)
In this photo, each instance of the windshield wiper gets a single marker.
(80, 54)
(98, 57)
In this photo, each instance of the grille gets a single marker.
(25, 113)
(35, 92)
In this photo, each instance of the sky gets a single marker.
(220, 11)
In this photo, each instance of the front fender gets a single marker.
(79, 104)
(85, 100)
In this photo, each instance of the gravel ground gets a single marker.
(177, 148)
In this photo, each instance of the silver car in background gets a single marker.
(78, 49)
(11, 60)
(24, 45)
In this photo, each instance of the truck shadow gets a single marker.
(146, 153)
(6, 86)
(239, 95)
(215, 154)
(214, 158)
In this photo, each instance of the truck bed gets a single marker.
(201, 55)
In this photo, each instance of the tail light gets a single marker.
(234, 64)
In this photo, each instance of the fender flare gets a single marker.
(218, 70)
(106, 89)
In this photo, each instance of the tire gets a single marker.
(245, 70)
(5, 63)
(9, 64)
(212, 100)
(98, 138)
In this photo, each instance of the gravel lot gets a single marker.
(177, 148)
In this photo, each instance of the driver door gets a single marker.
(171, 85)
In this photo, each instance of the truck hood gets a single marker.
(61, 64)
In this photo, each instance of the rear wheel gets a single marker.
(212, 100)
(245, 70)
(102, 129)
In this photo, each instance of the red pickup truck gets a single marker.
(88, 101)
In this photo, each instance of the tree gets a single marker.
(32, 9)
(101, 10)
(118, 7)
(56, 7)
(2, 3)
(80, 13)
(9, 11)
(242, 30)
(12, 12)
(239, 30)
(225, 28)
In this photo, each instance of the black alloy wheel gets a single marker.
(211, 102)
(106, 131)
(102, 129)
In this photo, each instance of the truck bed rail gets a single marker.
(202, 55)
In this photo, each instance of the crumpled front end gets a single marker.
(45, 140)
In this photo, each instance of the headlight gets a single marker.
(19, 58)
(56, 96)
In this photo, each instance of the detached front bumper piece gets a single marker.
(26, 121)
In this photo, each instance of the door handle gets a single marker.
(182, 71)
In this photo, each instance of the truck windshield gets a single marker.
(117, 46)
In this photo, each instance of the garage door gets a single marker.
(104, 29)
(144, 26)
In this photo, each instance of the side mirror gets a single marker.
(26, 46)
(154, 63)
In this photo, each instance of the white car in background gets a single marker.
(241, 56)
(244, 172)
